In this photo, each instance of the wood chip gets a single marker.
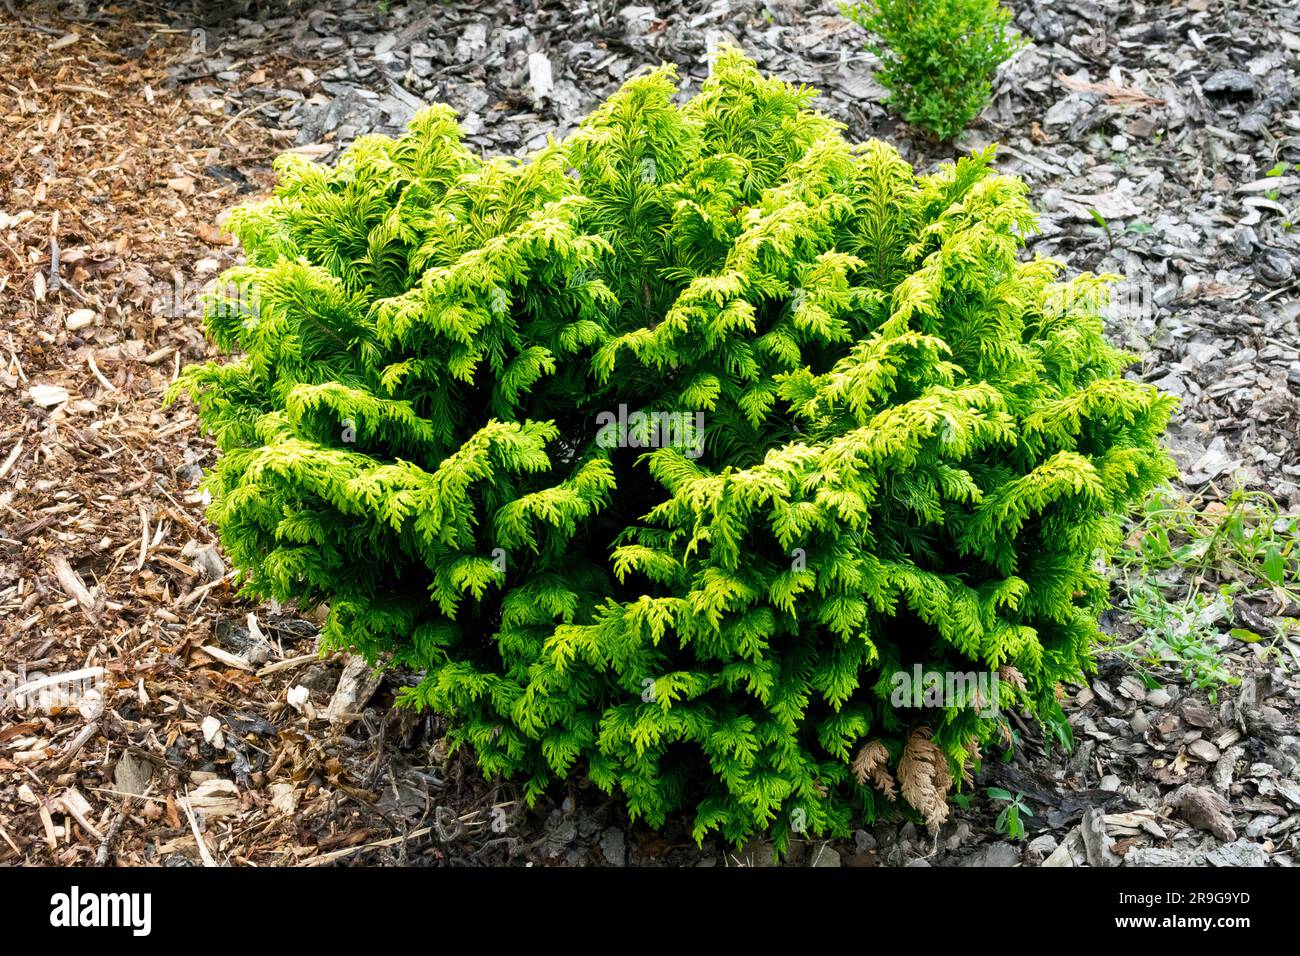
(64, 41)
(73, 586)
(356, 686)
(225, 657)
(213, 798)
(79, 808)
(48, 396)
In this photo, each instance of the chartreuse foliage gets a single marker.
(937, 57)
(916, 446)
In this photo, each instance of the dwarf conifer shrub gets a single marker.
(662, 454)
(937, 57)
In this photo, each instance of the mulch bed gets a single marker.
(220, 737)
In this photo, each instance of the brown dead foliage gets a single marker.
(924, 778)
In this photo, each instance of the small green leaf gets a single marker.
(1274, 566)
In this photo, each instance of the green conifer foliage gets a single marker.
(916, 445)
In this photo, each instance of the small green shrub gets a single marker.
(1008, 821)
(890, 444)
(937, 56)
